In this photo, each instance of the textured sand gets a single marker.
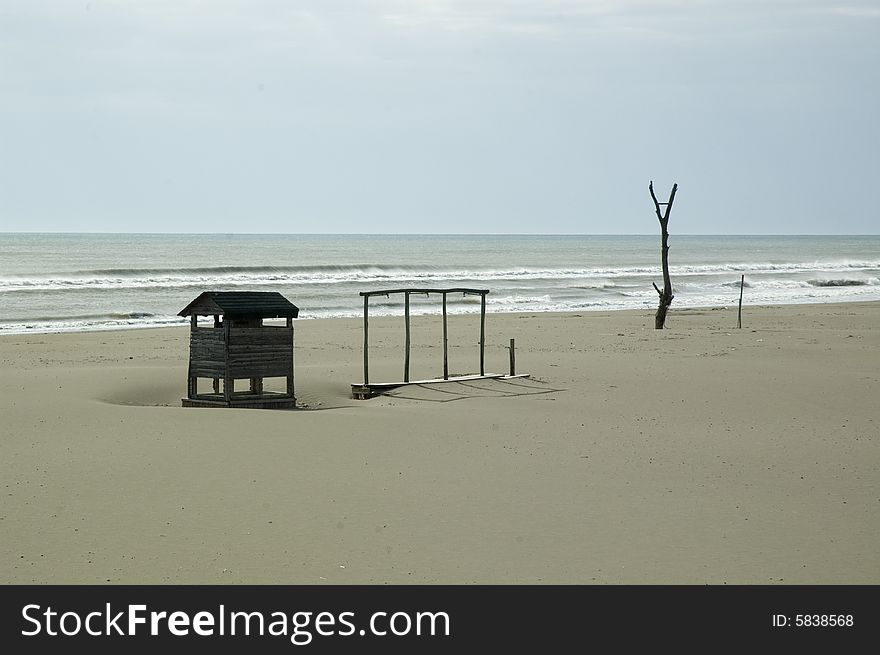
(699, 454)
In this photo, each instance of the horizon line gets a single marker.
(453, 234)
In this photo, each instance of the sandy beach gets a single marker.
(697, 454)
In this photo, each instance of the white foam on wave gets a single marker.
(262, 276)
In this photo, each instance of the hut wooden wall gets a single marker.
(262, 352)
(207, 353)
(259, 352)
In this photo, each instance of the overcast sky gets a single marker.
(490, 116)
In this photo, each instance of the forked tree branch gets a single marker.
(666, 294)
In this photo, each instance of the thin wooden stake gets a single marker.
(366, 341)
(739, 314)
(445, 343)
(406, 355)
(512, 357)
(482, 334)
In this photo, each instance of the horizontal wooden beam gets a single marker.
(456, 378)
(366, 391)
(475, 292)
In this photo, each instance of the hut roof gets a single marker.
(242, 304)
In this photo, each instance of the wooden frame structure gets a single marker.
(369, 389)
(239, 346)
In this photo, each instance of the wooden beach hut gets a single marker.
(239, 346)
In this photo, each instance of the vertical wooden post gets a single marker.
(739, 313)
(482, 334)
(256, 383)
(512, 357)
(445, 343)
(366, 341)
(290, 389)
(406, 319)
(227, 379)
(191, 382)
(216, 381)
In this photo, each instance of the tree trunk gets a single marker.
(666, 293)
(660, 316)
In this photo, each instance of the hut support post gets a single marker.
(406, 319)
(482, 334)
(191, 380)
(227, 379)
(366, 341)
(216, 381)
(257, 383)
(445, 343)
(290, 389)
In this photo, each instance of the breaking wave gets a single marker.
(843, 282)
(73, 286)
(164, 278)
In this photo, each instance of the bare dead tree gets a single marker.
(666, 294)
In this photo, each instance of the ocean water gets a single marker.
(62, 282)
